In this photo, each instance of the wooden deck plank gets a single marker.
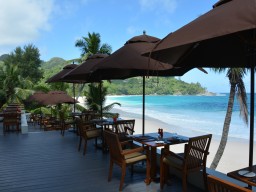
(46, 161)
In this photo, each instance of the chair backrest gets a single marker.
(82, 127)
(114, 145)
(11, 118)
(216, 184)
(196, 152)
(125, 126)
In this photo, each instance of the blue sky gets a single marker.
(54, 25)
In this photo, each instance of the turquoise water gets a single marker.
(201, 113)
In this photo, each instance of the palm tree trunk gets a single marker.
(225, 130)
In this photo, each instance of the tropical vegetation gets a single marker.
(235, 76)
(22, 72)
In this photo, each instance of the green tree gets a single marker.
(235, 76)
(95, 99)
(14, 87)
(92, 45)
(28, 62)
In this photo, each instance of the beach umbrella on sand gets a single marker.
(223, 37)
(127, 62)
(58, 78)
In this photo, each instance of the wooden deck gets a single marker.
(45, 161)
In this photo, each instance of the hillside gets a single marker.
(133, 86)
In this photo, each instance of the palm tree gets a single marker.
(96, 94)
(15, 87)
(95, 100)
(92, 45)
(235, 76)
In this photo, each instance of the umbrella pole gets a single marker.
(143, 107)
(252, 115)
(101, 100)
(74, 94)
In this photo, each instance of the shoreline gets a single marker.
(236, 154)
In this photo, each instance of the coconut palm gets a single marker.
(15, 87)
(92, 45)
(235, 76)
(95, 100)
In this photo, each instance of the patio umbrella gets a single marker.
(127, 62)
(57, 97)
(222, 37)
(83, 71)
(51, 98)
(38, 97)
(57, 78)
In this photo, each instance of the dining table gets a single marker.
(246, 175)
(153, 142)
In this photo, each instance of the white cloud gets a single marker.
(22, 20)
(158, 5)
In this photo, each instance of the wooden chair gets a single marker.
(126, 157)
(124, 128)
(193, 159)
(87, 131)
(216, 184)
(11, 120)
(66, 124)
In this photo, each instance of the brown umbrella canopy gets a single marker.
(127, 61)
(226, 30)
(58, 77)
(52, 98)
(38, 97)
(83, 71)
(223, 37)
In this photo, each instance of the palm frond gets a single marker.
(110, 106)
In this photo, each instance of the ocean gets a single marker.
(205, 114)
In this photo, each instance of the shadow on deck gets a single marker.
(45, 161)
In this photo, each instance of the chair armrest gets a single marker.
(165, 152)
(138, 149)
(126, 142)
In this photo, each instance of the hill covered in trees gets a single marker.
(133, 86)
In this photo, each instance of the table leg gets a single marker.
(153, 163)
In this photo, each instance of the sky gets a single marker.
(53, 26)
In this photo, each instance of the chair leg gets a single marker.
(85, 145)
(162, 174)
(110, 170)
(123, 176)
(184, 182)
(148, 179)
(80, 143)
(132, 169)
(205, 179)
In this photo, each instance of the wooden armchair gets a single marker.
(193, 159)
(216, 184)
(88, 131)
(11, 120)
(126, 157)
(51, 123)
(124, 128)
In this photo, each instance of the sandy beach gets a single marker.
(236, 154)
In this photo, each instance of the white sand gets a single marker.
(236, 154)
